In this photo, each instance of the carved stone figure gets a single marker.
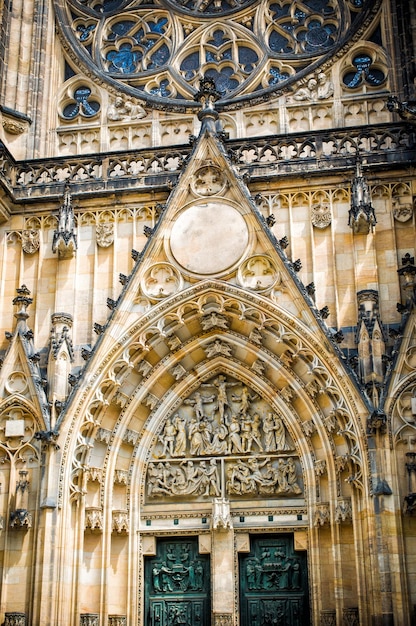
(124, 110)
(275, 433)
(308, 92)
(104, 235)
(30, 241)
(325, 87)
(221, 516)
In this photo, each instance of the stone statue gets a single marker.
(124, 110)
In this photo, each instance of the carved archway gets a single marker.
(155, 370)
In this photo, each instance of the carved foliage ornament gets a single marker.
(224, 438)
(258, 273)
(208, 180)
(161, 280)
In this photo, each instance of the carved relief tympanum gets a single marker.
(224, 439)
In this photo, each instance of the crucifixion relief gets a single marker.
(224, 440)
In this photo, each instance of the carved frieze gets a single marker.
(120, 477)
(225, 619)
(15, 619)
(322, 515)
(343, 511)
(89, 619)
(218, 347)
(221, 514)
(250, 450)
(117, 620)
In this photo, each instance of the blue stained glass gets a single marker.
(223, 81)
(81, 104)
(190, 66)
(364, 72)
(120, 28)
(218, 39)
(300, 15)
(160, 57)
(124, 60)
(277, 76)
(247, 58)
(279, 11)
(85, 31)
(162, 90)
(71, 110)
(159, 26)
(320, 6)
(279, 43)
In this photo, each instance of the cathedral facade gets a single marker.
(208, 322)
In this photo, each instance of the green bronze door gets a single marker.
(177, 585)
(273, 583)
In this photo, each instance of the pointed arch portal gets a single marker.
(209, 419)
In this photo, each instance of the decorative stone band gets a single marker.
(89, 619)
(15, 619)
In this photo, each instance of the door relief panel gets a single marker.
(177, 585)
(273, 583)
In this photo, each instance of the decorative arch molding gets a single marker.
(163, 358)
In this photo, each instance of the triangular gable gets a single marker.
(21, 382)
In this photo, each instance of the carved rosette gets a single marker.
(16, 383)
(258, 273)
(161, 280)
(30, 241)
(321, 215)
(208, 180)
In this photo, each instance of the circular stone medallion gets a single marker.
(209, 238)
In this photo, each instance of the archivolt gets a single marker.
(212, 328)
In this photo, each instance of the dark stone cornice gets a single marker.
(313, 154)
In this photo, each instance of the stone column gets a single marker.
(222, 554)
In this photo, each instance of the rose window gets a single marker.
(158, 51)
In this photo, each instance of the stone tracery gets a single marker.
(250, 48)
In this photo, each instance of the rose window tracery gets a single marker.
(158, 51)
